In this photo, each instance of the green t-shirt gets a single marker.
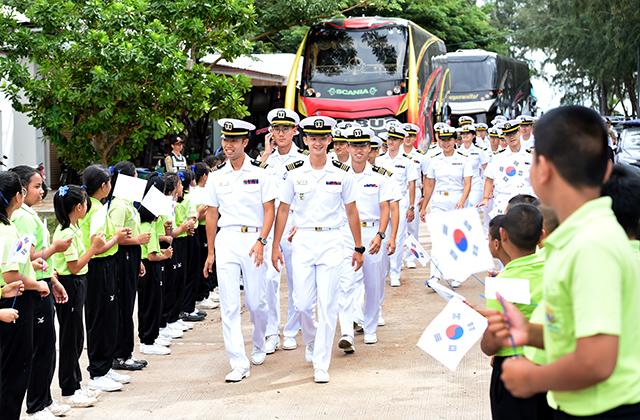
(9, 243)
(124, 215)
(104, 225)
(591, 287)
(183, 212)
(153, 246)
(530, 268)
(27, 222)
(73, 253)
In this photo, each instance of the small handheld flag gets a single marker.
(417, 250)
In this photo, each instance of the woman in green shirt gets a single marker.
(101, 307)
(16, 338)
(123, 214)
(27, 222)
(70, 204)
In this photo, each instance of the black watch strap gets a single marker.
(381, 235)
(359, 249)
(262, 240)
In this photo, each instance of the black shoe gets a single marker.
(190, 317)
(121, 364)
(143, 362)
(201, 313)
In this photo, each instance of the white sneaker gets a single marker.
(237, 374)
(118, 377)
(308, 353)
(162, 341)
(380, 320)
(394, 282)
(370, 338)
(289, 343)
(154, 349)
(410, 264)
(455, 284)
(171, 332)
(90, 393)
(258, 357)
(207, 304)
(183, 325)
(80, 400)
(320, 376)
(42, 415)
(105, 383)
(346, 344)
(215, 295)
(271, 344)
(58, 409)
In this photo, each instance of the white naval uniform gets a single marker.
(510, 174)
(478, 158)
(372, 187)
(403, 171)
(319, 197)
(239, 196)
(277, 167)
(449, 173)
(481, 143)
(527, 144)
(421, 161)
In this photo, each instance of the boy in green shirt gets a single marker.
(520, 230)
(590, 287)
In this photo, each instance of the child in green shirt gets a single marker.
(70, 204)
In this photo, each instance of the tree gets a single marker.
(459, 23)
(102, 77)
(594, 45)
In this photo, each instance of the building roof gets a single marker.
(263, 69)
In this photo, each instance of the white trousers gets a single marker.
(372, 274)
(395, 260)
(349, 286)
(292, 326)
(475, 197)
(316, 260)
(232, 259)
(413, 228)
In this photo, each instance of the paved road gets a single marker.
(392, 379)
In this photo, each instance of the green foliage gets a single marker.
(459, 23)
(593, 44)
(102, 77)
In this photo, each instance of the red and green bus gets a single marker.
(371, 69)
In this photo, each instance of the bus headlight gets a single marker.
(389, 93)
(396, 90)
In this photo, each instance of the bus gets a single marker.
(371, 69)
(485, 84)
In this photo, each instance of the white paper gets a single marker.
(21, 250)
(512, 290)
(452, 333)
(157, 203)
(417, 250)
(98, 221)
(460, 246)
(443, 291)
(129, 188)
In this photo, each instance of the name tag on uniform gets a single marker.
(457, 163)
(334, 183)
(400, 166)
(250, 181)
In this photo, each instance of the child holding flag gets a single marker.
(590, 286)
(70, 204)
(16, 338)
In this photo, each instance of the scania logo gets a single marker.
(352, 92)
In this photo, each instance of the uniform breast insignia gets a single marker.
(256, 162)
(380, 170)
(295, 165)
(370, 185)
(220, 165)
(334, 183)
(251, 181)
(340, 165)
(304, 152)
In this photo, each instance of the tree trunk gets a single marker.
(630, 87)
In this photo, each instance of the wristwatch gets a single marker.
(381, 235)
(359, 249)
(262, 240)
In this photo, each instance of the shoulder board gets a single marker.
(295, 165)
(304, 152)
(460, 153)
(407, 156)
(529, 150)
(422, 152)
(256, 162)
(381, 154)
(433, 146)
(220, 165)
(380, 170)
(500, 151)
(340, 165)
(437, 154)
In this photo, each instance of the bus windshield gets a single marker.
(473, 76)
(355, 58)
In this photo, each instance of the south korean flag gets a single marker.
(460, 247)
